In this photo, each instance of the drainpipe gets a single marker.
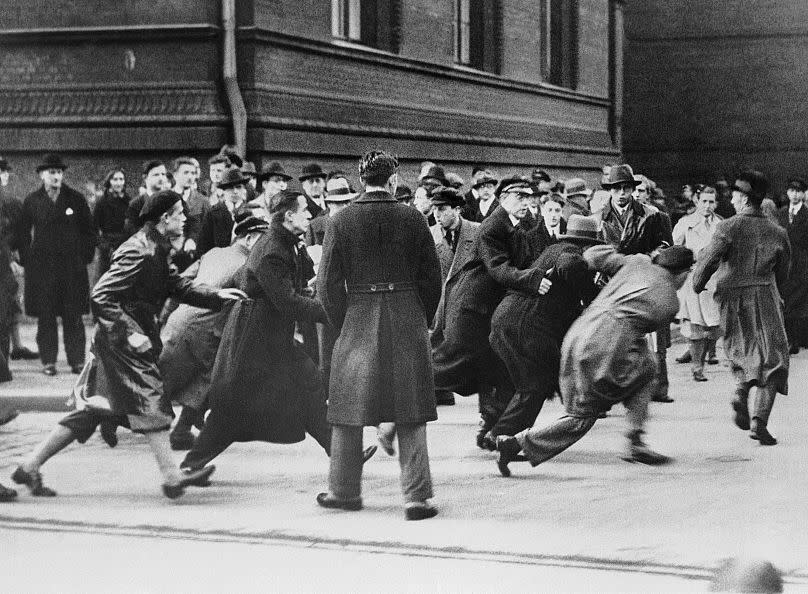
(238, 113)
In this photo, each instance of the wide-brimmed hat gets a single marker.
(581, 229)
(273, 168)
(158, 204)
(517, 183)
(444, 196)
(51, 161)
(311, 170)
(339, 190)
(249, 169)
(454, 180)
(403, 193)
(676, 258)
(486, 178)
(619, 175)
(434, 173)
(233, 177)
(576, 187)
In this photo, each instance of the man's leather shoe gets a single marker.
(420, 512)
(712, 359)
(444, 398)
(685, 357)
(32, 480)
(741, 417)
(661, 398)
(642, 454)
(190, 478)
(7, 494)
(331, 502)
(24, 353)
(49, 369)
(108, 433)
(698, 376)
(509, 449)
(8, 416)
(762, 435)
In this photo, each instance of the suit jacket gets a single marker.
(452, 263)
(56, 241)
(217, 228)
(195, 206)
(795, 289)
(471, 211)
(317, 227)
(644, 231)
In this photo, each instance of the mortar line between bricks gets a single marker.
(279, 539)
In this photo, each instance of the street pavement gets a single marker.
(585, 511)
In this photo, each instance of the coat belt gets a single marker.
(381, 287)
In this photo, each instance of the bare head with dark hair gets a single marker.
(289, 208)
(377, 167)
(115, 181)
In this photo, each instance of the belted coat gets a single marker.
(381, 368)
(56, 240)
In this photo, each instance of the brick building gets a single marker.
(715, 85)
(516, 83)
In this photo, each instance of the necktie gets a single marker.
(450, 238)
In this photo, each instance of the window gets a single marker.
(560, 42)
(478, 34)
(374, 23)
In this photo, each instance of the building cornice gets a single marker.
(68, 35)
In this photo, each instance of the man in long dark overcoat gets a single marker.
(57, 240)
(794, 219)
(380, 283)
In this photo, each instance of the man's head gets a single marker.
(620, 183)
(234, 186)
(164, 210)
(796, 191)
(313, 179)
(217, 165)
(551, 206)
(249, 171)
(485, 185)
(687, 192)
(51, 171)
(5, 171)
(421, 201)
(404, 195)
(705, 201)
(154, 176)
(273, 179)
(514, 195)
(379, 169)
(432, 177)
(749, 190)
(184, 171)
(641, 190)
(291, 210)
(338, 195)
(540, 175)
(249, 229)
(115, 181)
(447, 203)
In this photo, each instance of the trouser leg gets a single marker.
(74, 339)
(47, 337)
(345, 471)
(697, 352)
(160, 447)
(520, 414)
(709, 347)
(542, 443)
(316, 407)
(637, 407)
(764, 401)
(413, 457)
(214, 438)
(662, 384)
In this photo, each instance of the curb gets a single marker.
(51, 403)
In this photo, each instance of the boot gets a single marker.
(638, 451)
(697, 357)
(685, 357)
(764, 401)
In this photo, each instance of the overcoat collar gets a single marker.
(751, 211)
(284, 234)
(378, 196)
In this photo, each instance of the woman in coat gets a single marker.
(751, 255)
(123, 383)
(380, 283)
(605, 357)
(527, 329)
(109, 217)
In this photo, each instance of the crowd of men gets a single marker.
(370, 308)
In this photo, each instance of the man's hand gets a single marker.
(231, 294)
(545, 285)
(139, 343)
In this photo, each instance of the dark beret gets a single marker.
(676, 258)
(158, 204)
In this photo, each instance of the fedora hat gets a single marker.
(249, 169)
(444, 196)
(576, 187)
(273, 168)
(435, 173)
(485, 178)
(233, 177)
(312, 170)
(581, 229)
(403, 193)
(619, 175)
(51, 161)
(338, 190)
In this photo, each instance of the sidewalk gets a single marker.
(725, 495)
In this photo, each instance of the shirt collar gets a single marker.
(513, 219)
